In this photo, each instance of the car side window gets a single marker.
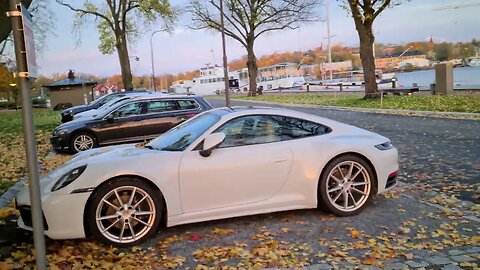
(294, 128)
(129, 110)
(161, 106)
(187, 104)
(248, 130)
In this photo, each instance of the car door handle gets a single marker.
(279, 160)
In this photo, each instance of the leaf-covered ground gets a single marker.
(12, 152)
(393, 229)
(467, 103)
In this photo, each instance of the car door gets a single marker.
(161, 115)
(125, 124)
(251, 165)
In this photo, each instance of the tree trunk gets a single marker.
(365, 34)
(252, 68)
(124, 61)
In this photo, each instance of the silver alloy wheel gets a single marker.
(125, 214)
(83, 142)
(348, 186)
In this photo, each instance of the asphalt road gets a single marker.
(436, 153)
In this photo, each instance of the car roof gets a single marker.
(233, 112)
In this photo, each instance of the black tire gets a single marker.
(330, 200)
(75, 149)
(97, 206)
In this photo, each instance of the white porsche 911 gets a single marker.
(222, 163)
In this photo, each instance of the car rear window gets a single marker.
(187, 104)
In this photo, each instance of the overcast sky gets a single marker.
(187, 49)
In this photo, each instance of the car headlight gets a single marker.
(384, 146)
(69, 177)
(59, 132)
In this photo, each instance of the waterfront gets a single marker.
(463, 78)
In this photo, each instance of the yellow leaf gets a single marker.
(223, 231)
(355, 234)
(285, 230)
(7, 211)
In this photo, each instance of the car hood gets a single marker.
(103, 156)
(76, 109)
(110, 152)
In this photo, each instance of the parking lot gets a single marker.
(430, 220)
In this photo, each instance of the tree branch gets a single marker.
(83, 11)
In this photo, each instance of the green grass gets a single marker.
(11, 121)
(470, 104)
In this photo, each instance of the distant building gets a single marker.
(391, 61)
(71, 90)
(105, 88)
(319, 70)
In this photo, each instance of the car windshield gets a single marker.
(102, 102)
(180, 137)
(112, 103)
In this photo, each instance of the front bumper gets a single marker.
(60, 143)
(63, 215)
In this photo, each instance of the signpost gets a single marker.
(27, 24)
(26, 68)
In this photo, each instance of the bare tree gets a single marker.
(43, 23)
(246, 20)
(364, 13)
(119, 21)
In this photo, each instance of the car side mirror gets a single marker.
(109, 118)
(211, 142)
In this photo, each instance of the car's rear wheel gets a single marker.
(124, 212)
(346, 185)
(82, 141)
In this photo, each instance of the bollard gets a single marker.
(394, 83)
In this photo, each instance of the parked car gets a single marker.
(114, 103)
(136, 119)
(223, 163)
(67, 114)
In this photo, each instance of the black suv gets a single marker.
(67, 114)
(137, 119)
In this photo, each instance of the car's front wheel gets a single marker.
(346, 185)
(124, 212)
(82, 141)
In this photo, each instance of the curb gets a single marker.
(7, 197)
(456, 115)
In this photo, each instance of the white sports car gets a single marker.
(222, 163)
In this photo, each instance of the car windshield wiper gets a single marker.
(149, 147)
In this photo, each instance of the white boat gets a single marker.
(279, 76)
(473, 62)
(211, 80)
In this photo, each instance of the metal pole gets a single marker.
(225, 71)
(329, 54)
(151, 56)
(29, 132)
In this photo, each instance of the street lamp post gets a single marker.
(151, 55)
(329, 52)
(225, 71)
